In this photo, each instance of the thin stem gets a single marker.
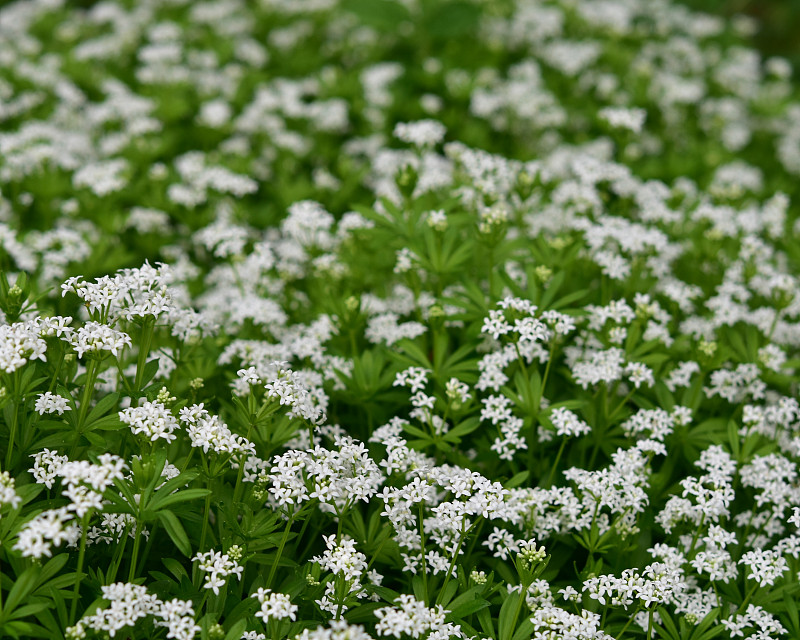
(696, 535)
(14, 421)
(279, 553)
(424, 566)
(136, 542)
(144, 350)
(556, 461)
(52, 386)
(117, 559)
(627, 624)
(79, 572)
(149, 545)
(204, 532)
(749, 595)
(453, 563)
(621, 404)
(88, 389)
(650, 624)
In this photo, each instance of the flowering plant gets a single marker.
(347, 319)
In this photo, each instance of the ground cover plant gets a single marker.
(426, 319)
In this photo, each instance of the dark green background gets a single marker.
(779, 32)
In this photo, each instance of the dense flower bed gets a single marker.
(349, 319)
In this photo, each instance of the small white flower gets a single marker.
(51, 403)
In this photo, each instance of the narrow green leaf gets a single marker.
(176, 532)
(22, 588)
(103, 406)
(159, 502)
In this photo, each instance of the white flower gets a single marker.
(152, 419)
(51, 403)
(422, 133)
(631, 119)
(765, 566)
(94, 337)
(567, 423)
(274, 606)
(8, 494)
(218, 566)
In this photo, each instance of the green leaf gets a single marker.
(236, 631)
(517, 479)
(102, 407)
(29, 609)
(23, 586)
(381, 14)
(159, 502)
(525, 630)
(175, 567)
(553, 286)
(413, 350)
(506, 618)
(176, 532)
(150, 370)
(107, 423)
(704, 630)
(467, 608)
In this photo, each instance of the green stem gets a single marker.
(621, 404)
(148, 546)
(696, 536)
(14, 420)
(111, 575)
(628, 623)
(746, 601)
(556, 461)
(204, 532)
(79, 572)
(144, 350)
(453, 562)
(424, 565)
(134, 558)
(88, 389)
(60, 356)
(279, 553)
(650, 624)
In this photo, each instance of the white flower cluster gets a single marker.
(657, 584)
(19, 343)
(209, 433)
(83, 484)
(218, 566)
(550, 621)
(289, 388)
(95, 337)
(128, 603)
(8, 493)
(338, 630)
(49, 402)
(343, 561)
(568, 423)
(152, 419)
(422, 133)
(411, 617)
(274, 606)
(711, 492)
(344, 475)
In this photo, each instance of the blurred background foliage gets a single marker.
(778, 20)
